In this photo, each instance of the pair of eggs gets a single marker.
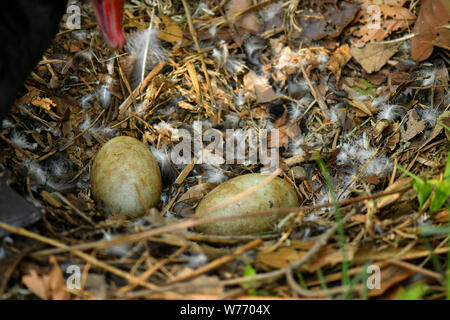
(126, 178)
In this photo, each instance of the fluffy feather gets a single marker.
(252, 46)
(225, 60)
(20, 140)
(145, 49)
(213, 174)
(390, 112)
(430, 116)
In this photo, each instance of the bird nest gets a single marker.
(353, 135)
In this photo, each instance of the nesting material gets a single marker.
(125, 177)
(274, 195)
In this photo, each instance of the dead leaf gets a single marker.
(259, 85)
(379, 21)
(29, 96)
(428, 162)
(370, 253)
(284, 256)
(265, 94)
(367, 109)
(197, 192)
(187, 106)
(288, 130)
(172, 32)
(260, 112)
(338, 60)
(194, 80)
(48, 287)
(429, 26)
(298, 159)
(390, 276)
(291, 129)
(414, 127)
(372, 179)
(281, 121)
(202, 284)
(50, 199)
(250, 21)
(36, 284)
(326, 19)
(44, 103)
(75, 46)
(397, 185)
(373, 56)
(394, 139)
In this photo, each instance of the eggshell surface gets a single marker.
(276, 194)
(125, 177)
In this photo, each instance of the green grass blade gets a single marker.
(337, 213)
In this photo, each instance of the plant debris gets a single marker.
(338, 80)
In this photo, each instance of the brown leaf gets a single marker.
(36, 284)
(397, 185)
(284, 256)
(291, 129)
(49, 286)
(433, 15)
(372, 179)
(338, 60)
(380, 21)
(44, 103)
(260, 112)
(281, 121)
(29, 96)
(279, 258)
(259, 85)
(298, 159)
(287, 130)
(376, 78)
(172, 32)
(414, 127)
(202, 284)
(75, 46)
(390, 276)
(197, 192)
(367, 109)
(373, 56)
(370, 253)
(265, 94)
(393, 141)
(327, 19)
(248, 22)
(187, 106)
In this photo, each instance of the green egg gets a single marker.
(276, 194)
(125, 177)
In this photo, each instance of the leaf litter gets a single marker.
(316, 70)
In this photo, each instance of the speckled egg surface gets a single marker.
(274, 195)
(125, 177)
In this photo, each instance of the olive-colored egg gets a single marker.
(125, 177)
(274, 195)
